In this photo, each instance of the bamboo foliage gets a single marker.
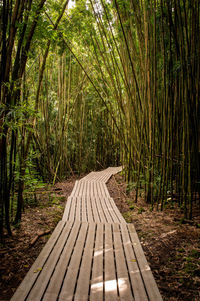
(150, 59)
(169, 149)
(106, 83)
(144, 64)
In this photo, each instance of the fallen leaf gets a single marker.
(38, 270)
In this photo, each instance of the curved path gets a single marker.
(93, 254)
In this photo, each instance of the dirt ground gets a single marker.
(172, 248)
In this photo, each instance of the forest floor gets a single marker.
(171, 247)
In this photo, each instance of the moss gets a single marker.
(181, 250)
(140, 210)
(127, 217)
(195, 254)
(190, 268)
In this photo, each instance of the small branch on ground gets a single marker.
(39, 234)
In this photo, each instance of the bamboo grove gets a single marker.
(102, 83)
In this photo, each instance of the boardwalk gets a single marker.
(93, 254)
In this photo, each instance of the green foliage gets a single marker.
(131, 207)
(141, 210)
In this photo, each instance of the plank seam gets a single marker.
(92, 263)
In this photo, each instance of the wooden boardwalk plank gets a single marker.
(90, 216)
(97, 277)
(95, 210)
(73, 208)
(78, 214)
(67, 210)
(74, 191)
(115, 210)
(107, 214)
(110, 280)
(105, 190)
(84, 209)
(101, 211)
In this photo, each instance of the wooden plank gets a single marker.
(88, 177)
(90, 217)
(97, 280)
(56, 280)
(87, 187)
(111, 209)
(100, 210)
(78, 188)
(79, 193)
(106, 176)
(32, 276)
(108, 216)
(67, 210)
(98, 191)
(102, 191)
(78, 209)
(150, 284)
(39, 287)
(94, 188)
(94, 209)
(83, 282)
(116, 211)
(84, 191)
(73, 209)
(101, 176)
(133, 268)
(74, 191)
(68, 287)
(110, 284)
(105, 190)
(125, 292)
(90, 188)
(84, 209)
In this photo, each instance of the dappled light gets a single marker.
(110, 285)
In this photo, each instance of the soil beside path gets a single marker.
(172, 249)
